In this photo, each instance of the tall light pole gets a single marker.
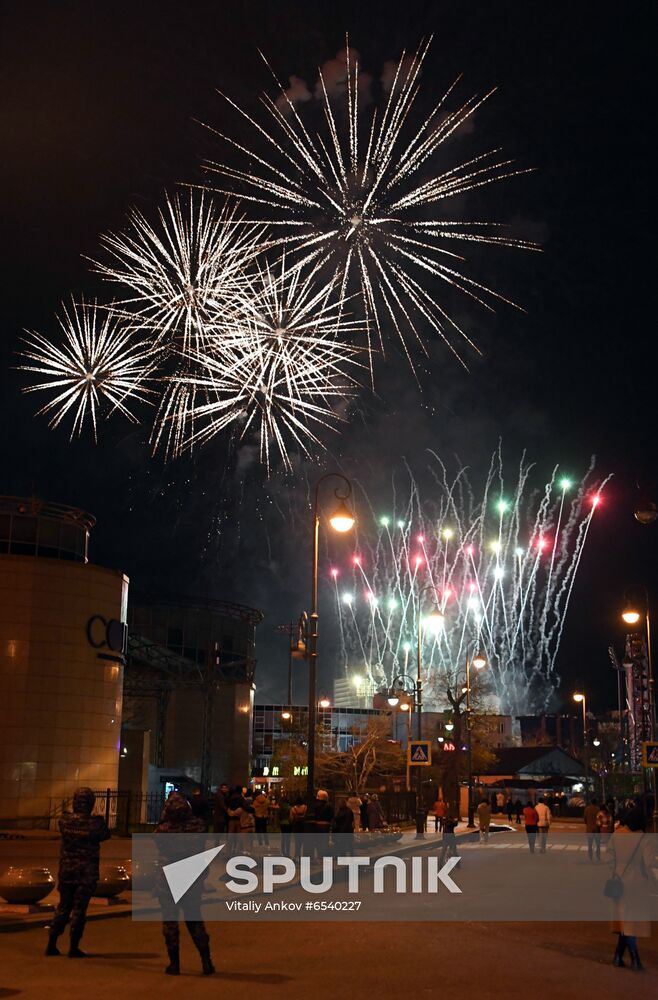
(394, 701)
(435, 622)
(582, 698)
(341, 520)
(631, 616)
(478, 661)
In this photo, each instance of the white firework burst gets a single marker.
(285, 375)
(364, 198)
(187, 273)
(99, 363)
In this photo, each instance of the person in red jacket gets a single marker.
(531, 820)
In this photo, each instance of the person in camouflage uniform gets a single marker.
(177, 817)
(82, 835)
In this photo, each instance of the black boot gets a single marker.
(74, 950)
(51, 947)
(618, 959)
(173, 969)
(206, 961)
(635, 957)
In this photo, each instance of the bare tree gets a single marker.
(373, 754)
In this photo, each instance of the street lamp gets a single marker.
(341, 520)
(406, 685)
(582, 699)
(479, 661)
(433, 623)
(632, 615)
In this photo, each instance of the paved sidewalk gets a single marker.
(120, 848)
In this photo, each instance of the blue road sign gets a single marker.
(419, 753)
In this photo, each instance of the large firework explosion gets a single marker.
(365, 195)
(225, 329)
(101, 365)
(498, 564)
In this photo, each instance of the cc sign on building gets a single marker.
(108, 634)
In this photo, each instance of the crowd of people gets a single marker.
(244, 815)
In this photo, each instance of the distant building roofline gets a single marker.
(35, 507)
(231, 609)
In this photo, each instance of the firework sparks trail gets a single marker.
(188, 275)
(502, 566)
(283, 372)
(99, 364)
(222, 338)
(365, 198)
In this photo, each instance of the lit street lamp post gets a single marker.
(631, 616)
(478, 661)
(435, 620)
(580, 697)
(394, 701)
(341, 520)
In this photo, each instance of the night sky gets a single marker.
(100, 108)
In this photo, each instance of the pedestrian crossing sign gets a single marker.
(419, 753)
(650, 753)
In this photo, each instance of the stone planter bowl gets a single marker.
(26, 885)
(113, 879)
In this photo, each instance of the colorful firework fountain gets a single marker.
(499, 566)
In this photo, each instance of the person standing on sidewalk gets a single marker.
(376, 819)
(177, 817)
(201, 808)
(219, 813)
(531, 820)
(484, 820)
(354, 803)
(590, 819)
(605, 825)
(323, 816)
(261, 812)
(82, 836)
(543, 823)
(285, 825)
(448, 840)
(298, 826)
(631, 909)
(439, 809)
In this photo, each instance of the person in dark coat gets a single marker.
(343, 830)
(518, 810)
(219, 813)
(82, 836)
(177, 817)
(449, 840)
(363, 811)
(298, 825)
(323, 815)
(200, 807)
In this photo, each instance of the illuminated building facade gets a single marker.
(62, 638)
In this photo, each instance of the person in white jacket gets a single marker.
(544, 823)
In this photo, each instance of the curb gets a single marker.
(32, 920)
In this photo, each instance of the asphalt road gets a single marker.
(329, 960)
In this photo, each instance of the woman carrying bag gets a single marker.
(628, 887)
